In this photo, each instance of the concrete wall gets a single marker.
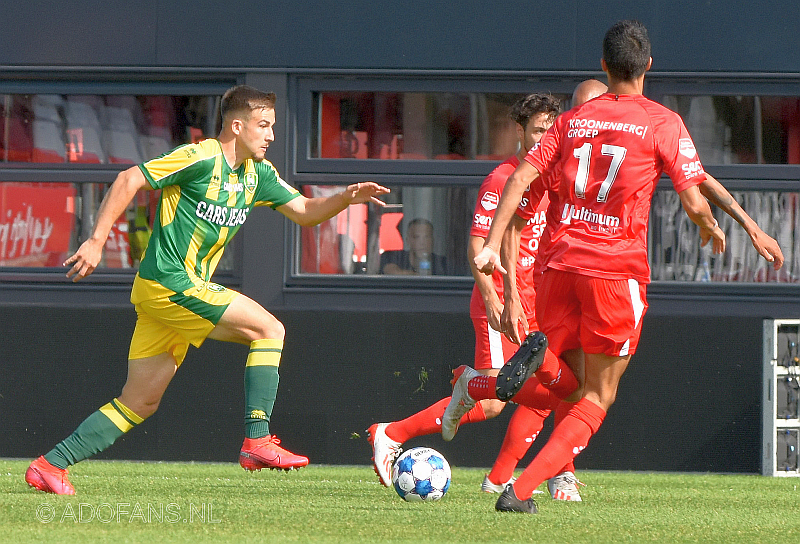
(690, 400)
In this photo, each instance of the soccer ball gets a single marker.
(421, 474)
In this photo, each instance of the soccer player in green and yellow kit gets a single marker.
(207, 191)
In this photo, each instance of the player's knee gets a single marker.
(604, 398)
(147, 409)
(492, 407)
(142, 407)
(608, 399)
(270, 328)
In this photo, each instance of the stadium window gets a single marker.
(431, 141)
(88, 138)
(100, 129)
(409, 126)
(676, 255)
(747, 135)
(367, 239)
(741, 129)
(42, 223)
(413, 125)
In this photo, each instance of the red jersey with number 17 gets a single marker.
(612, 151)
(488, 197)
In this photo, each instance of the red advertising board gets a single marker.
(36, 222)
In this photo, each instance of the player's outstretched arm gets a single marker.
(513, 320)
(489, 257)
(308, 212)
(121, 193)
(766, 246)
(698, 210)
(485, 285)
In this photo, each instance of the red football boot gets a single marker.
(45, 477)
(258, 453)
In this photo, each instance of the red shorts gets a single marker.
(594, 314)
(492, 348)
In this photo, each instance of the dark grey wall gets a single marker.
(690, 400)
(713, 35)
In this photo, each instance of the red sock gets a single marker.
(559, 414)
(429, 421)
(482, 387)
(567, 441)
(523, 428)
(556, 376)
(533, 394)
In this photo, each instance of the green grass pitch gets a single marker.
(183, 502)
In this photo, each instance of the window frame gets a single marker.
(448, 172)
(111, 82)
(661, 84)
(306, 170)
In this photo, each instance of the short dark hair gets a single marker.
(528, 106)
(626, 50)
(243, 99)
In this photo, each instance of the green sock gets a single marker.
(261, 385)
(96, 433)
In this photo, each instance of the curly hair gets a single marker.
(534, 104)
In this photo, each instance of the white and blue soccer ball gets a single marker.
(421, 474)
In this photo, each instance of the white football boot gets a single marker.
(384, 452)
(460, 403)
(564, 487)
(488, 487)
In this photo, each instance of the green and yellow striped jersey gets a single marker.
(203, 203)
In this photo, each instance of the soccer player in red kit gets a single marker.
(533, 115)
(518, 439)
(611, 153)
(564, 485)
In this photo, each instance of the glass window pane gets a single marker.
(676, 255)
(413, 125)
(741, 129)
(111, 129)
(419, 225)
(367, 240)
(41, 224)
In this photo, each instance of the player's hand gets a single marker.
(716, 234)
(487, 260)
(366, 191)
(514, 321)
(494, 309)
(767, 247)
(85, 260)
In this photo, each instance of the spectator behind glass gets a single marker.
(418, 259)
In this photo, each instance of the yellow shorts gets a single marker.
(168, 321)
